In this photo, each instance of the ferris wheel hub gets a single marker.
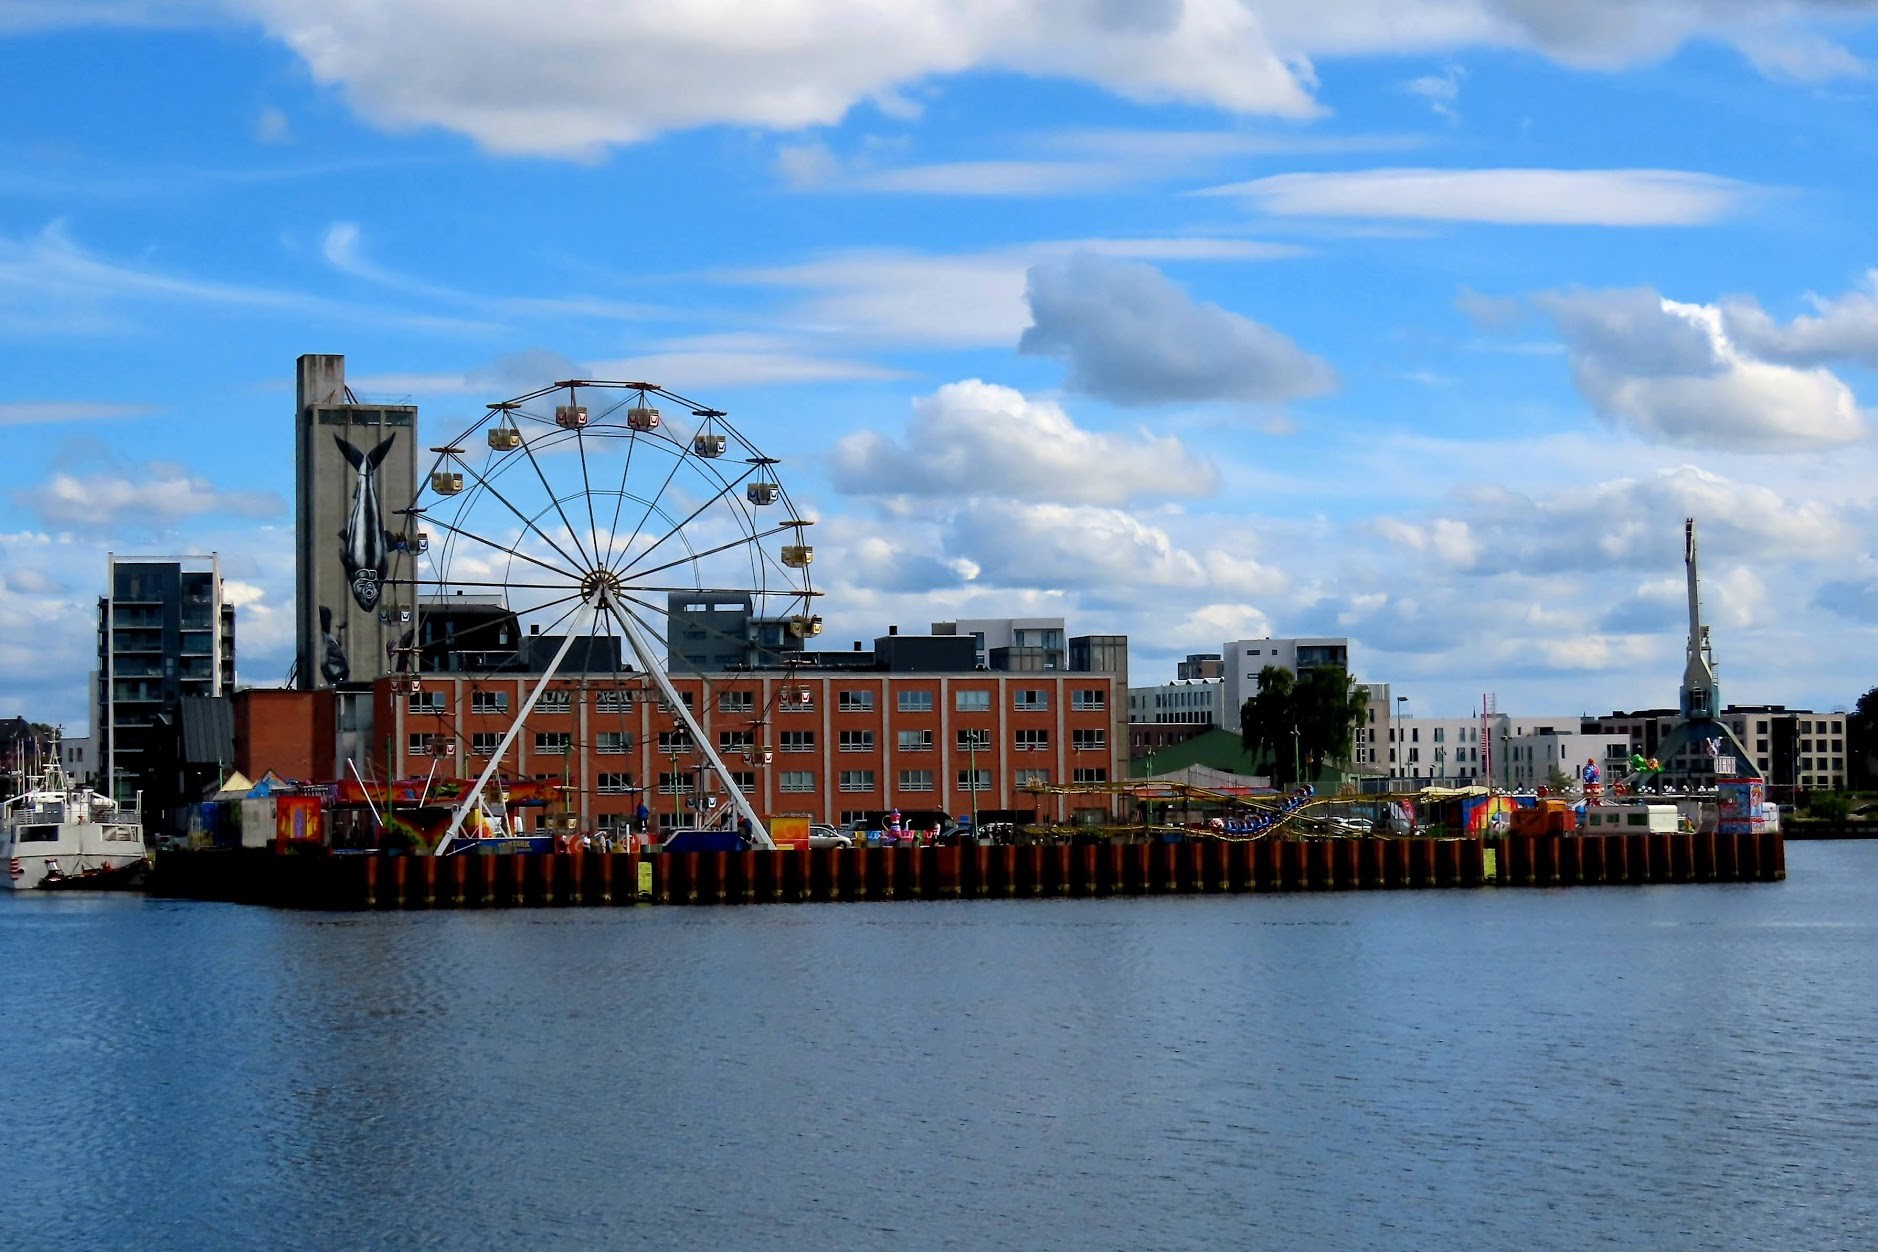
(602, 586)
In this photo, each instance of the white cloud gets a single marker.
(46, 412)
(571, 77)
(1525, 197)
(1442, 91)
(48, 280)
(1844, 328)
(1130, 336)
(1670, 372)
(977, 439)
(956, 299)
(138, 499)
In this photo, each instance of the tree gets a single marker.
(1861, 743)
(1298, 727)
(1266, 718)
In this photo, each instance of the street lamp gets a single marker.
(1297, 752)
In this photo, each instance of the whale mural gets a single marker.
(364, 550)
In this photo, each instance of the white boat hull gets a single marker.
(81, 852)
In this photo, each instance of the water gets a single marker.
(1667, 1067)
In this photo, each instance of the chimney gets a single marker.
(857, 645)
(893, 630)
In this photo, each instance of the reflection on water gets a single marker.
(1667, 1067)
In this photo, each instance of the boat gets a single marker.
(57, 835)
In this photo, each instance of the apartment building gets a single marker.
(165, 633)
(1796, 748)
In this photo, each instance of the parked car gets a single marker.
(822, 835)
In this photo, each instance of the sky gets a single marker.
(1421, 322)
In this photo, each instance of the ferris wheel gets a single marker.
(588, 509)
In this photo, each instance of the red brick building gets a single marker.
(289, 732)
(829, 744)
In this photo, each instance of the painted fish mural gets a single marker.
(363, 548)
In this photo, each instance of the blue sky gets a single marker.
(1423, 324)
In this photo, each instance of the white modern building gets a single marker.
(1500, 749)
(1242, 660)
(1183, 703)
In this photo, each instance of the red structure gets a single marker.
(827, 745)
(289, 732)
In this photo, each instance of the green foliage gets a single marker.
(1861, 742)
(1297, 728)
(1830, 806)
(1556, 780)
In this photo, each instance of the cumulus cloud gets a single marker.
(138, 499)
(1843, 328)
(1519, 197)
(1130, 336)
(975, 438)
(1108, 556)
(570, 77)
(1671, 373)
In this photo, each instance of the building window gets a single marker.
(613, 742)
(745, 780)
(857, 780)
(796, 700)
(974, 740)
(557, 701)
(735, 701)
(916, 780)
(426, 702)
(483, 742)
(855, 701)
(1089, 699)
(915, 701)
(974, 780)
(1438, 734)
(735, 740)
(1031, 740)
(553, 742)
(613, 700)
(665, 706)
(797, 781)
(674, 742)
(915, 741)
(857, 741)
(674, 784)
(972, 701)
(613, 784)
(1096, 775)
(1029, 700)
(429, 745)
(797, 741)
(1032, 778)
(489, 701)
(1089, 740)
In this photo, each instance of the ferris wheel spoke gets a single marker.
(586, 490)
(728, 487)
(530, 522)
(556, 499)
(652, 503)
(568, 575)
(739, 542)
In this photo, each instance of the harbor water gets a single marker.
(1691, 1066)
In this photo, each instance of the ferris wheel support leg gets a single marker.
(759, 833)
(470, 800)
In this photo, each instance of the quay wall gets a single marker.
(1205, 867)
